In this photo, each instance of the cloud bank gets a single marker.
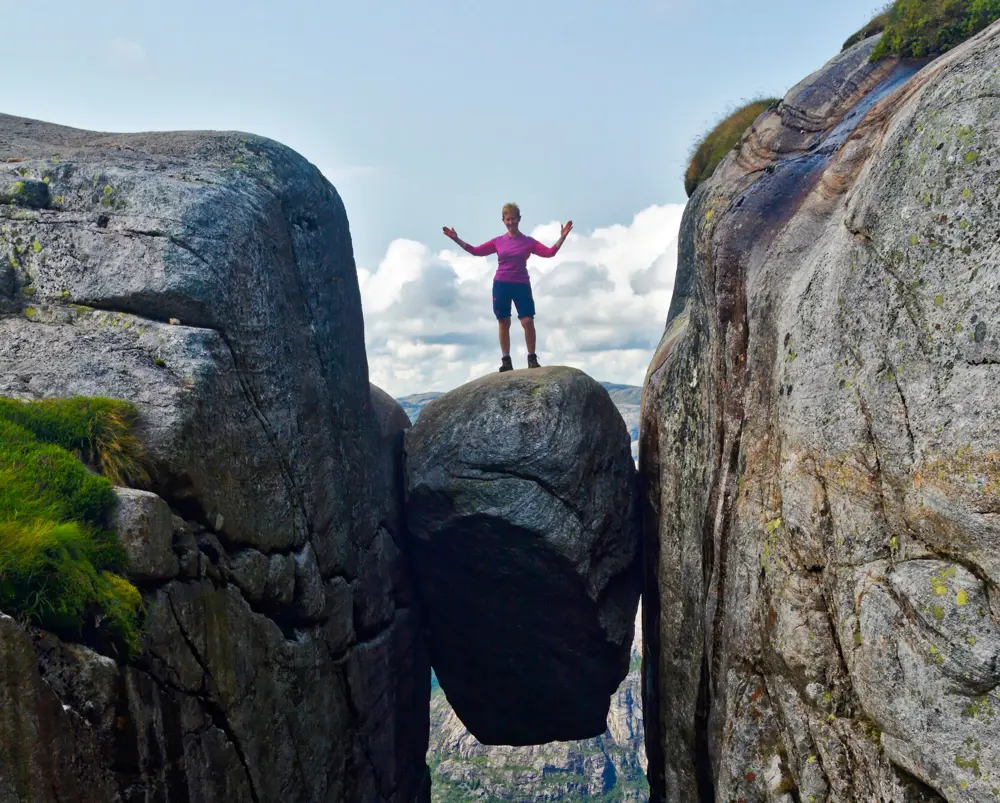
(601, 303)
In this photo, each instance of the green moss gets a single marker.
(713, 147)
(968, 764)
(980, 708)
(59, 561)
(918, 28)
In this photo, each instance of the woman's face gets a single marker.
(510, 220)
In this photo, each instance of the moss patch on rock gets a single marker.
(713, 147)
(60, 564)
(920, 28)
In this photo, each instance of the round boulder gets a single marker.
(523, 518)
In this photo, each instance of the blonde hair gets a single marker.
(511, 208)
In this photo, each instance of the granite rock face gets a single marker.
(208, 277)
(522, 513)
(819, 450)
(51, 748)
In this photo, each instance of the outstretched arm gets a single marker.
(483, 250)
(551, 250)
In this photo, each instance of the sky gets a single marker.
(436, 113)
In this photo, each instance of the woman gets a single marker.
(511, 281)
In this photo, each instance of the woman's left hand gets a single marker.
(567, 228)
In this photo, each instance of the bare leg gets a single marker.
(504, 335)
(529, 333)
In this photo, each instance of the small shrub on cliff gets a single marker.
(877, 25)
(713, 147)
(918, 28)
(58, 559)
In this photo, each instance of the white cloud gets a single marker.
(601, 303)
(127, 53)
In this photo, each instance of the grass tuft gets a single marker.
(97, 430)
(50, 576)
(713, 147)
(59, 561)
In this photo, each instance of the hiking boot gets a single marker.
(533, 361)
(506, 365)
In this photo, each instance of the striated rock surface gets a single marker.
(521, 507)
(208, 277)
(820, 448)
(612, 765)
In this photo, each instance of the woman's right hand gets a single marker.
(450, 233)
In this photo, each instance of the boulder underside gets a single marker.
(521, 506)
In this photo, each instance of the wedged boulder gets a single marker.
(209, 278)
(820, 450)
(522, 513)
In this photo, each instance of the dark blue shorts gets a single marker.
(519, 293)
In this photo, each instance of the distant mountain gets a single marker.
(625, 397)
(416, 402)
(623, 394)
